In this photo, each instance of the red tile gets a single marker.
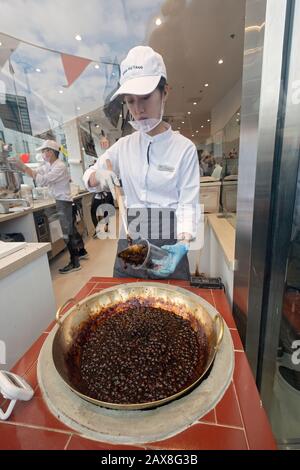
(96, 290)
(50, 326)
(31, 356)
(221, 304)
(22, 438)
(81, 443)
(85, 291)
(31, 376)
(227, 410)
(256, 423)
(204, 437)
(107, 285)
(35, 412)
(209, 417)
(178, 282)
(204, 293)
(238, 346)
(38, 392)
(95, 279)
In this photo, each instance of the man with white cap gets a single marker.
(158, 168)
(54, 174)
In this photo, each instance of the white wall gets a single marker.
(225, 109)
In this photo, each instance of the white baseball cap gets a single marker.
(141, 72)
(49, 144)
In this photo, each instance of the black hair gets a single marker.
(56, 152)
(161, 85)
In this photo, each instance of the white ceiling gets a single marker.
(192, 37)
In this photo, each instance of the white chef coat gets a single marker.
(156, 172)
(57, 178)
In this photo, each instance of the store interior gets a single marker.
(56, 80)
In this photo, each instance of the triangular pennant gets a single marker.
(73, 66)
(8, 46)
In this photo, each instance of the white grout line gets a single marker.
(215, 413)
(33, 426)
(68, 442)
(244, 428)
(227, 426)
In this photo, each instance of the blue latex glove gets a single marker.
(168, 265)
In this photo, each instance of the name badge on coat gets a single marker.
(165, 168)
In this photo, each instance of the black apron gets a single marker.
(158, 226)
(71, 236)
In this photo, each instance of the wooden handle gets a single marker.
(119, 199)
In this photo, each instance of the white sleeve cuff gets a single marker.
(86, 177)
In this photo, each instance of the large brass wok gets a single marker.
(175, 299)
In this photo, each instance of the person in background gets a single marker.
(217, 172)
(158, 167)
(100, 199)
(54, 174)
(207, 164)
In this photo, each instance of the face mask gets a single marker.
(46, 158)
(147, 125)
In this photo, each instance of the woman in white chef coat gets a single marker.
(54, 174)
(158, 167)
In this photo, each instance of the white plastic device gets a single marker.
(13, 387)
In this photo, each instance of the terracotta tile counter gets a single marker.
(237, 422)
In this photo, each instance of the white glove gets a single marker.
(107, 180)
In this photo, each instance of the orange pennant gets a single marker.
(73, 66)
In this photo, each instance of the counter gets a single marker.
(217, 256)
(27, 302)
(237, 422)
(22, 221)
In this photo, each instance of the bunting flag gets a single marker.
(73, 66)
(8, 45)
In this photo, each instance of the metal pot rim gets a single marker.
(67, 325)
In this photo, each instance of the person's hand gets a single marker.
(107, 180)
(167, 266)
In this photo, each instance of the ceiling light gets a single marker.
(208, 120)
(189, 112)
(158, 22)
(238, 114)
(197, 132)
(97, 66)
(193, 135)
(179, 128)
(182, 122)
(206, 85)
(121, 115)
(0, 44)
(220, 61)
(88, 117)
(82, 148)
(38, 70)
(97, 126)
(202, 127)
(60, 91)
(78, 108)
(195, 102)
(78, 37)
(237, 120)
